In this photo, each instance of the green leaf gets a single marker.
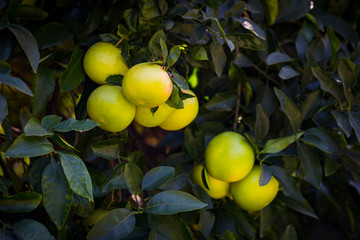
(289, 108)
(52, 34)
(116, 180)
(287, 182)
(262, 123)
(16, 83)
(155, 177)
(57, 195)
(31, 13)
(198, 53)
(265, 176)
(5, 68)
(74, 73)
(174, 100)
(252, 26)
(287, 72)
(335, 44)
(172, 202)
(278, 144)
(169, 227)
(75, 125)
(43, 88)
(271, 9)
(133, 177)
(310, 163)
(223, 101)
(218, 56)
(6, 43)
(28, 43)
(24, 146)
(31, 230)
(328, 84)
(301, 206)
(180, 81)
(131, 16)
(354, 118)
(174, 55)
(116, 224)
(267, 219)
(33, 128)
(310, 105)
(342, 120)
(277, 57)
(36, 171)
(82, 206)
(164, 50)
(154, 44)
(50, 121)
(247, 41)
(346, 71)
(322, 139)
(115, 79)
(149, 9)
(194, 140)
(21, 202)
(77, 174)
(3, 108)
(108, 149)
(136, 157)
(289, 233)
(13, 7)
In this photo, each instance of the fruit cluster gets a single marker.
(142, 97)
(230, 171)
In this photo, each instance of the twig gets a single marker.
(238, 102)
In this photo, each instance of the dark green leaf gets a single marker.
(137, 158)
(310, 163)
(292, 10)
(332, 163)
(3, 108)
(214, 3)
(52, 34)
(43, 88)
(116, 180)
(174, 55)
(192, 14)
(335, 45)
(16, 83)
(133, 177)
(310, 105)
(36, 171)
(154, 44)
(50, 121)
(289, 108)
(262, 123)
(169, 227)
(180, 81)
(342, 119)
(116, 224)
(218, 56)
(6, 44)
(271, 8)
(57, 195)
(265, 176)
(108, 149)
(267, 219)
(247, 41)
(328, 84)
(82, 206)
(354, 118)
(172, 202)
(322, 139)
(13, 7)
(115, 79)
(287, 72)
(155, 177)
(278, 144)
(236, 10)
(62, 143)
(25, 146)
(287, 182)
(169, 24)
(20, 202)
(199, 32)
(164, 50)
(33, 128)
(149, 9)
(122, 31)
(131, 16)
(223, 101)
(346, 71)
(31, 230)
(198, 53)
(28, 43)
(252, 26)
(174, 100)
(194, 140)
(77, 174)
(74, 73)
(31, 13)
(289, 233)
(277, 57)
(75, 125)
(4, 186)
(5, 68)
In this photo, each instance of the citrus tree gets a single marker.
(186, 119)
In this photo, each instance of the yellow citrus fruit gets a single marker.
(218, 188)
(147, 85)
(180, 118)
(102, 60)
(229, 157)
(108, 107)
(248, 194)
(94, 218)
(146, 118)
(2, 130)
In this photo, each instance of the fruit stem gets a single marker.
(121, 39)
(237, 119)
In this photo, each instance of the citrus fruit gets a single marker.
(108, 107)
(218, 188)
(102, 60)
(147, 85)
(180, 118)
(146, 118)
(248, 194)
(95, 217)
(229, 157)
(2, 130)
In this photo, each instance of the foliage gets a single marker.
(284, 73)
